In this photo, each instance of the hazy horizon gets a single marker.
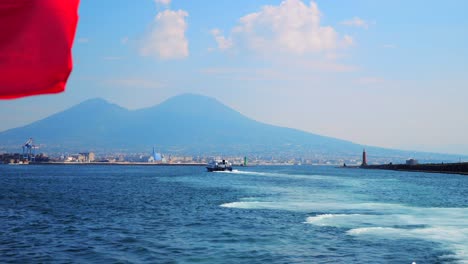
(388, 74)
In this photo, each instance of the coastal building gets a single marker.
(87, 157)
(412, 162)
(156, 157)
(81, 157)
(74, 158)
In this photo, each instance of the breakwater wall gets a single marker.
(454, 168)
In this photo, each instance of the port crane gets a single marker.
(29, 150)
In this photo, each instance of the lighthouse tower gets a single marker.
(364, 158)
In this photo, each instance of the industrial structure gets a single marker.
(29, 153)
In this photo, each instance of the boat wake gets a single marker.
(282, 175)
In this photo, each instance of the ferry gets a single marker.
(222, 165)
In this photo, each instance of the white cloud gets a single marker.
(356, 22)
(223, 42)
(292, 27)
(167, 39)
(163, 2)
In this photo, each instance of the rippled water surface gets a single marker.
(303, 214)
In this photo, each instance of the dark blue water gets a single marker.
(300, 214)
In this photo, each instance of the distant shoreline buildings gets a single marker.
(156, 157)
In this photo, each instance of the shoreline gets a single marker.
(114, 164)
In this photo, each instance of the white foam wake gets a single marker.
(453, 238)
(308, 206)
(447, 226)
(284, 175)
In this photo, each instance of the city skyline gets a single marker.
(387, 74)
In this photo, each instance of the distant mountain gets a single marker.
(188, 124)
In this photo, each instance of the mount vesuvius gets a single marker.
(188, 124)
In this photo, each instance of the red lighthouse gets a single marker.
(364, 158)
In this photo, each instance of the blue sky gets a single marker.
(384, 73)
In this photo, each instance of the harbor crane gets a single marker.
(29, 150)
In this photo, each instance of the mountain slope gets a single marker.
(86, 123)
(201, 123)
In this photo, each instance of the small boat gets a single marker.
(222, 165)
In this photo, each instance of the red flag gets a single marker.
(36, 38)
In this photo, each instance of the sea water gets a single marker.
(290, 214)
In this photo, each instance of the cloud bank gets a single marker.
(166, 39)
(291, 27)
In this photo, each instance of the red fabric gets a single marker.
(36, 38)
